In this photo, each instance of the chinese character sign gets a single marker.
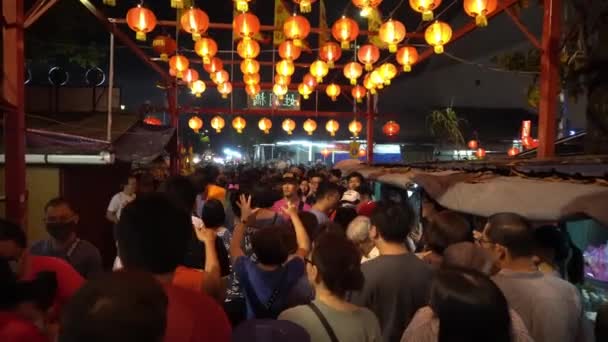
(268, 100)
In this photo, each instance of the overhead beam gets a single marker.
(37, 10)
(523, 28)
(262, 63)
(267, 112)
(263, 28)
(269, 85)
(126, 40)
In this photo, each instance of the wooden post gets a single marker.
(549, 78)
(14, 129)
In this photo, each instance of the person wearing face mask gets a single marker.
(17, 264)
(61, 223)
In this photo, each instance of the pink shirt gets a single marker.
(282, 203)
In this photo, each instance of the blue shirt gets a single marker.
(263, 283)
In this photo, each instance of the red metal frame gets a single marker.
(37, 10)
(14, 121)
(267, 112)
(523, 28)
(549, 78)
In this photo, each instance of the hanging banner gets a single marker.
(324, 34)
(374, 21)
(281, 13)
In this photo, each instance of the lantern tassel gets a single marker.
(242, 6)
(305, 7)
(109, 2)
(206, 60)
(392, 48)
(481, 20)
(196, 36)
(164, 57)
(427, 16)
(179, 4)
(297, 42)
(353, 81)
(330, 64)
(368, 67)
(438, 49)
(345, 45)
(407, 68)
(141, 36)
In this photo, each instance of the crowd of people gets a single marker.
(261, 254)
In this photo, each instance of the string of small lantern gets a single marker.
(296, 28)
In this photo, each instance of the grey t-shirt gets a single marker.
(396, 286)
(82, 255)
(350, 326)
(549, 306)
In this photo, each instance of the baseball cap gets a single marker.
(262, 330)
(350, 197)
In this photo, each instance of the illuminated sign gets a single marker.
(266, 99)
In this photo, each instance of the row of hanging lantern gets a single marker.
(391, 128)
(296, 29)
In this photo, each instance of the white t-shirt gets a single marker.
(119, 201)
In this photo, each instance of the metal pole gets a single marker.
(370, 130)
(549, 78)
(110, 89)
(14, 122)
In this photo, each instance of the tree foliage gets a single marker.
(445, 126)
(66, 34)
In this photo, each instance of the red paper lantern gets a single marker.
(333, 91)
(392, 33)
(220, 77)
(345, 30)
(296, 28)
(195, 21)
(225, 89)
(310, 81)
(473, 144)
(141, 20)
(330, 52)
(289, 50)
(206, 48)
(353, 71)
(214, 66)
(478, 9)
(425, 7)
(152, 121)
(180, 64)
(246, 25)
(513, 151)
(190, 75)
(252, 89)
(251, 79)
(195, 123)
(480, 153)
(366, 6)
(164, 46)
(407, 56)
(368, 54)
(358, 92)
(248, 48)
(250, 66)
(391, 128)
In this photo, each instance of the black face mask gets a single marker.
(60, 230)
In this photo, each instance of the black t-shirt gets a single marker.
(195, 255)
(396, 286)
